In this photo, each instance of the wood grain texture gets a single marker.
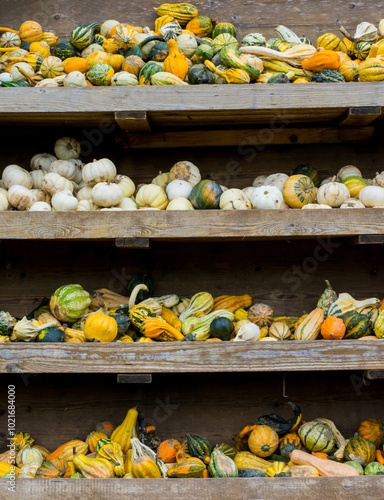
(358, 488)
(185, 225)
(193, 105)
(307, 17)
(175, 357)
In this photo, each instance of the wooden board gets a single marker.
(176, 357)
(191, 106)
(186, 225)
(195, 489)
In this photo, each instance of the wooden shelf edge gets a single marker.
(342, 488)
(177, 357)
(191, 225)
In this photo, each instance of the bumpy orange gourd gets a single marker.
(333, 328)
(176, 63)
(171, 318)
(232, 302)
(30, 31)
(373, 430)
(122, 433)
(167, 450)
(325, 59)
(161, 330)
(67, 450)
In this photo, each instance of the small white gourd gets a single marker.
(124, 79)
(23, 198)
(352, 203)
(106, 194)
(63, 200)
(37, 177)
(235, 199)
(180, 204)
(333, 194)
(52, 182)
(86, 206)
(185, 171)
(94, 47)
(378, 180)
(25, 67)
(84, 193)
(312, 206)
(127, 204)
(65, 168)
(178, 189)
(106, 27)
(99, 171)
(248, 191)
(75, 79)
(249, 331)
(15, 175)
(259, 181)
(277, 180)
(41, 161)
(187, 44)
(372, 196)
(5, 77)
(4, 204)
(327, 180)
(348, 171)
(151, 196)
(40, 206)
(267, 197)
(126, 184)
(67, 148)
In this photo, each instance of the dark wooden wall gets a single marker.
(307, 17)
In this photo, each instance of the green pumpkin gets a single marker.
(374, 469)
(150, 68)
(200, 26)
(357, 325)
(198, 446)
(69, 303)
(204, 52)
(140, 279)
(221, 465)
(159, 52)
(222, 28)
(206, 194)
(309, 171)
(317, 437)
(221, 328)
(328, 76)
(224, 40)
(51, 334)
(360, 450)
(64, 50)
(83, 35)
(356, 466)
(199, 74)
(251, 473)
(7, 322)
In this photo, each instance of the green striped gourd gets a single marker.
(372, 313)
(309, 328)
(165, 78)
(221, 465)
(224, 40)
(201, 303)
(328, 41)
(83, 35)
(64, 50)
(361, 50)
(100, 74)
(69, 303)
(230, 57)
(287, 35)
(227, 450)
(327, 298)
(199, 327)
(222, 28)
(198, 446)
(190, 467)
(346, 302)
(317, 437)
(328, 76)
(306, 169)
(148, 70)
(360, 450)
(139, 313)
(357, 325)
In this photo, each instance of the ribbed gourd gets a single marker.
(199, 327)
(221, 465)
(198, 446)
(149, 69)
(371, 70)
(122, 433)
(328, 76)
(230, 57)
(182, 12)
(328, 41)
(83, 35)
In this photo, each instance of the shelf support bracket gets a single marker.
(374, 374)
(134, 378)
(133, 121)
(133, 243)
(360, 116)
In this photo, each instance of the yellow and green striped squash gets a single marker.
(298, 191)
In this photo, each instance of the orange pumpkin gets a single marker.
(76, 64)
(263, 441)
(167, 450)
(325, 59)
(56, 467)
(261, 315)
(373, 430)
(30, 31)
(333, 328)
(133, 65)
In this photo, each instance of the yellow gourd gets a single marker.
(122, 433)
(100, 327)
(176, 63)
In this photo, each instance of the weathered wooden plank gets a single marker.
(186, 225)
(358, 488)
(252, 136)
(175, 357)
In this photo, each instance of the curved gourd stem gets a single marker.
(10, 30)
(133, 296)
(8, 49)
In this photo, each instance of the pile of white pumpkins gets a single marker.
(63, 183)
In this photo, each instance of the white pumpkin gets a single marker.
(109, 209)
(326, 181)
(40, 206)
(94, 47)
(42, 161)
(86, 206)
(75, 79)
(348, 171)
(127, 204)
(54, 182)
(37, 177)
(312, 206)
(151, 196)
(5, 77)
(9, 39)
(65, 168)
(126, 184)
(259, 181)
(63, 200)
(67, 148)
(180, 204)
(277, 180)
(249, 331)
(23, 198)
(84, 193)
(15, 73)
(372, 196)
(352, 203)
(185, 171)
(161, 180)
(99, 171)
(79, 170)
(267, 197)
(235, 199)
(178, 189)
(4, 204)
(187, 44)
(107, 194)
(13, 174)
(106, 27)
(333, 194)
(124, 79)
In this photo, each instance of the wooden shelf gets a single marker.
(187, 225)
(194, 106)
(176, 357)
(342, 488)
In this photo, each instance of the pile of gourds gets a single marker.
(61, 182)
(273, 447)
(184, 48)
(74, 315)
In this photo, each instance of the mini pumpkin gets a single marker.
(261, 315)
(100, 327)
(263, 441)
(333, 328)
